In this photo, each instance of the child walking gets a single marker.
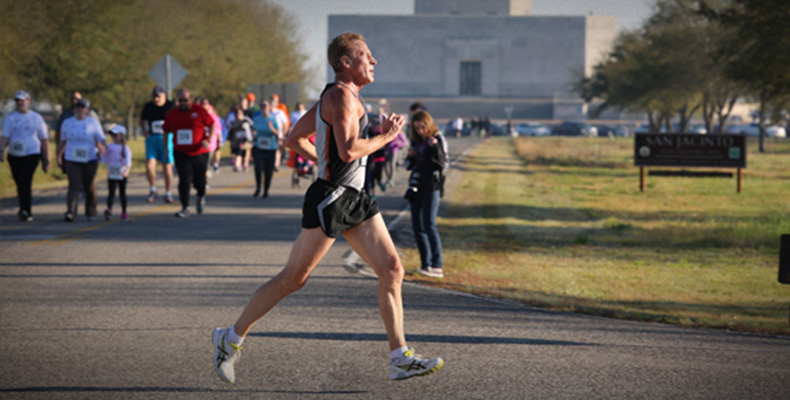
(118, 157)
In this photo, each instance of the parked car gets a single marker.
(753, 129)
(605, 130)
(499, 129)
(532, 129)
(574, 128)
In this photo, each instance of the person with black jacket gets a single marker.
(427, 160)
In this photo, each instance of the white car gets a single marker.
(753, 129)
(532, 129)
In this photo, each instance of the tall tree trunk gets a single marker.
(762, 120)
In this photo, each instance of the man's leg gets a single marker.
(150, 172)
(372, 241)
(307, 251)
(167, 169)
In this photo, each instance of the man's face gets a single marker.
(80, 112)
(184, 101)
(74, 97)
(159, 99)
(22, 105)
(362, 63)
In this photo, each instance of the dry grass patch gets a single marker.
(561, 223)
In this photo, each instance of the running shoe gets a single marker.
(257, 193)
(432, 272)
(91, 218)
(68, 217)
(169, 198)
(184, 213)
(200, 204)
(216, 168)
(25, 216)
(124, 217)
(383, 186)
(108, 214)
(414, 365)
(226, 354)
(151, 197)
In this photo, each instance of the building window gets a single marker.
(470, 78)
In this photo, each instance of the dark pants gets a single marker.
(191, 172)
(423, 222)
(22, 169)
(81, 176)
(264, 162)
(121, 185)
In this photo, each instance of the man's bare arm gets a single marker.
(345, 110)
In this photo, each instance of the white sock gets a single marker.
(233, 337)
(153, 189)
(398, 355)
(167, 193)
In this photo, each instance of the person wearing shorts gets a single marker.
(336, 204)
(151, 120)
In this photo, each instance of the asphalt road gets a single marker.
(125, 310)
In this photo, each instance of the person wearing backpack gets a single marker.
(427, 160)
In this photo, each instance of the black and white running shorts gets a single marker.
(335, 208)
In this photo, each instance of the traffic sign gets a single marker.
(168, 73)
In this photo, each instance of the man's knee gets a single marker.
(393, 274)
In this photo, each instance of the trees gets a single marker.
(698, 55)
(106, 48)
(758, 56)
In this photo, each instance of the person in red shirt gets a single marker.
(191, 126)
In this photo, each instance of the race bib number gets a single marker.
(184, 137)
(80, 154)
(156, 127)
(17, 149)
(115, 172)
(264, 142)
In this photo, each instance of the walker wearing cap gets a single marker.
(117, 129)
(157, 91)
(22, 95)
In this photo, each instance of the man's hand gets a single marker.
(392, 125)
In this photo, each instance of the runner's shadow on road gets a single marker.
(455, 339)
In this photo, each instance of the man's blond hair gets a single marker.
(341, 46)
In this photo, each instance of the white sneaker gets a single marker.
(432, 272)
(226, 355)
(414, 365)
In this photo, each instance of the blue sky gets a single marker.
(311, 18)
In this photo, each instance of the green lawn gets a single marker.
(561, 223)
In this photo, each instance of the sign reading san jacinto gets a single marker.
(689, 150)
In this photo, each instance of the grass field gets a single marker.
(561, 223)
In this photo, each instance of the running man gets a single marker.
(336, 204)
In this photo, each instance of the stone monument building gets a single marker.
(474, 57)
